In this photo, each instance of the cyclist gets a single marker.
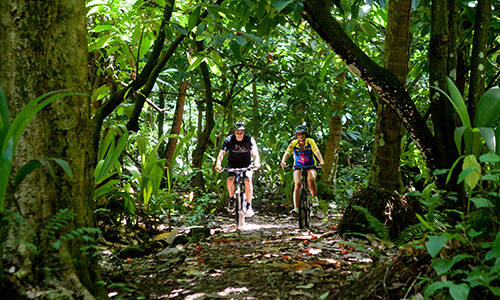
(241, 148)
(306, 153)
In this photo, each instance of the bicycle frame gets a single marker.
(239, 193)
(304, 201)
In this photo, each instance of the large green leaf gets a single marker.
(25, 170)
(6, 158)
(488, 135)
(10, 134)
(488, 108)
(325, 65)
(28, 112)
(457, 291)
(435, 244)
(470, 163)
(459, 132)
(458, 102)
(497, 138)
(194, 17)
(106, 188)
(109, 154)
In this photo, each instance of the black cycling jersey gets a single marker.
(239, 152)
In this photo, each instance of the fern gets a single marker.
(412, 232)
(58, 221)
(196, 237)
(375, 224)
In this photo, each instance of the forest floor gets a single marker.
(268, 258)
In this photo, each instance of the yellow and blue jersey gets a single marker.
(303, 157)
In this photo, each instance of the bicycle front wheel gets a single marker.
(240, 214)
(307, 210)
(302, 208)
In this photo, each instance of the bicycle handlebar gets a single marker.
(237, 169)
(303, 167)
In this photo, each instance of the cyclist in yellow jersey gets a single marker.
(306, 153)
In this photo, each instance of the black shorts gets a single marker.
(305, 167)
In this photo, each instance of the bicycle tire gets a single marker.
(239, 215)
(301, 209)
(307, 212)
(243, 203)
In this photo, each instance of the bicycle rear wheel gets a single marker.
(301, 208)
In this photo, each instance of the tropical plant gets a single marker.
(147, 177)
(460, 279)
(10, 134)
(476, 138)
(108, 163)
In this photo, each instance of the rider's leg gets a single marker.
(248, 189)
(230, 186)
(311, 181)
(296, 188)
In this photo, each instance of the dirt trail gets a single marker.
(269, 258)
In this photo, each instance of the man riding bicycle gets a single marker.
(241, 148)
(305, 152)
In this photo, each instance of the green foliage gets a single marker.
(414, 232)
(461, 279)
(10, 133)
(56, 225)
(351, 180)
(375, 224)
(411, 232)
(109, 152)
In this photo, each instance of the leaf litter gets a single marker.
(269, 258)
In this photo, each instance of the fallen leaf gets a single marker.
(193, 272)
(301, 266)
(169, 236)
(307, 286)
(223, 240)
(302, 293)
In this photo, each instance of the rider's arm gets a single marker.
(256, 158)
(283, 160)
(321, 162)
(288, 152)
(218, 163)
(255, 153)
(316, 152)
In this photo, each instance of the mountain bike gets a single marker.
(239, 193)
(305, 198)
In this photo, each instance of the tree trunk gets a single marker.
(329, 174)
(384, 82)
(204, 136)
(442, 111)
(385, 169)
(176, 124)
(479, 62)
(43, 48)
(255, 109)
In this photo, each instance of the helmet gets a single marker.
(239, 125)
(300, 128)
